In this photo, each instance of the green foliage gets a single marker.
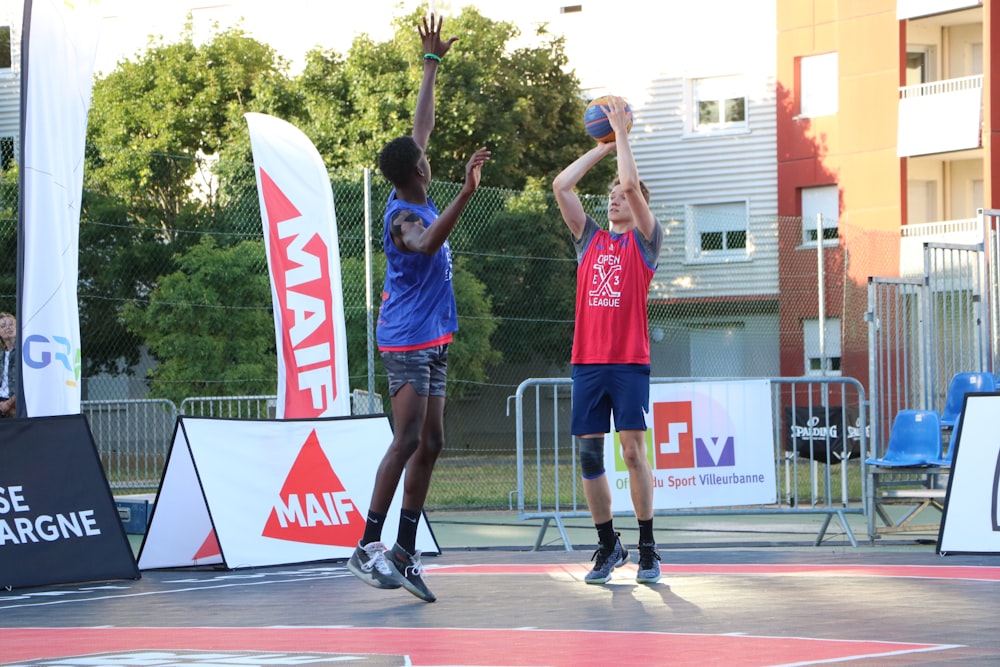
(169, 158)
(8, 240)
(471, 355)
(521, 103)
(533, 299)
(189, 308)
(155, 121)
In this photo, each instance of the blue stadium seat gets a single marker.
(914, 440)
(960, 385)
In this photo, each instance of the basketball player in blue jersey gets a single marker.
(415, 325)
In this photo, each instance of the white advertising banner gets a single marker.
(710, 444)
(257, 493)
(303, 258)
(971, 519)
(58, 54)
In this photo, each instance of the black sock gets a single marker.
(373, 528)
(606, 534)
(407, 539)
(646, 531)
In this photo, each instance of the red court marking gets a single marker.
(443, 646)
(966, 572)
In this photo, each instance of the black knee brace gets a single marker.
(592, 457)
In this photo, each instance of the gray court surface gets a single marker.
(735, 590)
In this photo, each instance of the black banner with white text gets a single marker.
(58, 521)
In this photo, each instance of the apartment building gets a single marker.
(10, 80)
(884, 136)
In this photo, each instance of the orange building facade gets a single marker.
(886, 118)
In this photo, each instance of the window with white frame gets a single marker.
(718, 231)
(719, 103)
(824, 201)
(818, 81)
(822, 356)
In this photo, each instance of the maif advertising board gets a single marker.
(709, 444)
(254, 493)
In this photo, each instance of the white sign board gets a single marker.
(710, 444)
(257, 493)
(971, 523)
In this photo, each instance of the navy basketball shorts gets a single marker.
(600, 390)
(426, 370)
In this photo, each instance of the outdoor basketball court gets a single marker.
(726, 607)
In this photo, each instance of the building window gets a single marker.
(818, 81)
(5, 57)
(720, 103)
(824, 201)
(920, 64)
(817, 351)
(718, 231)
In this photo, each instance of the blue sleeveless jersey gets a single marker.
(418, 302)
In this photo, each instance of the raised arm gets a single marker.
(564, 187)
(433, 45)
(428, 240)
(628, 172)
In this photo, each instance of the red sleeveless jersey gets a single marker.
(612, 284)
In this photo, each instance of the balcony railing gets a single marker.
(940, 116)
(911, 9)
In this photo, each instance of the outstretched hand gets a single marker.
(430, 36)
(474, 167)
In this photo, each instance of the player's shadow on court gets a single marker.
(633, 598)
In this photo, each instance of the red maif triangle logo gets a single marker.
(278, 206)
(208, 548)
(313, 506)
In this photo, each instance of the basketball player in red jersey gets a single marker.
(611, 341)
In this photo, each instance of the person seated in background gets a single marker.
(9, 365)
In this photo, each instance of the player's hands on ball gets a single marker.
(618, 115)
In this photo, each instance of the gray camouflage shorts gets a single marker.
(425, 369)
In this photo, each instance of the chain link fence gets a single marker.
(175, 303)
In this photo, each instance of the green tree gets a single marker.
(471, 355)
(208, 324)
(157, 123)
(531, 277)
(520, 102)
(8, 240)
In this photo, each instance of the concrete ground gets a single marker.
(736, 590)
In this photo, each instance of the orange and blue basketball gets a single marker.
(596, 122)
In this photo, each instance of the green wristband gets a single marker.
(432, 56)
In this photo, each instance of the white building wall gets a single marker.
(10, 79)
(682, 169)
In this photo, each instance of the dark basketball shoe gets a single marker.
(605, 560)
(649, 564)
(368, 563)
(409, 571)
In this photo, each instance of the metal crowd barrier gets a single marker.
(132, 438)
(230, 407)
(820, 442)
